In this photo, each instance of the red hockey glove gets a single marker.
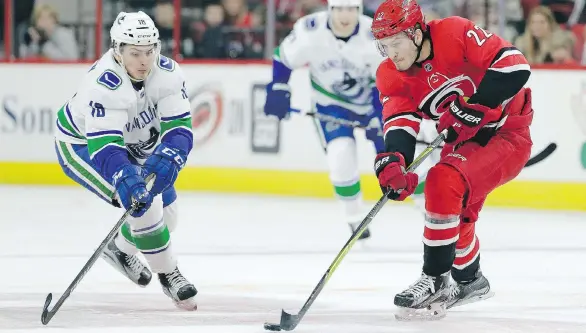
(390, 170)
(464, 120)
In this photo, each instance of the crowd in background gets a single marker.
(546, 31)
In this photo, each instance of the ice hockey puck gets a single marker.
(272, 327)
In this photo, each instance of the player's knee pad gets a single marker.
(445, 189)
(343, 160)
(170, 216)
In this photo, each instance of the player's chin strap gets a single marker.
(419, 47)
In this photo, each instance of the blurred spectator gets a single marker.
(289, 11)
(21, 16)
(431, 15)
(541, 29)
(476, 11)
(561, 51)
(568, 12)
(370, 6)
(237, 13)
(437, 8)
(528, 5)
(46, 38)
(306, 7)
(244, 30)
(211, 42)
(164, 17)
(583, 55)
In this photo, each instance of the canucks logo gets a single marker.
(351, 88)
(139, 150)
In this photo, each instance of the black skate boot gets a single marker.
(469, 292)
(179, 290)
(365, 234)
(424, 300)
(129, 265)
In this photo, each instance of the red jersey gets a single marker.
(465, 60)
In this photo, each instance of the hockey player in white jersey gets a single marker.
(130, 118)
(338, 47)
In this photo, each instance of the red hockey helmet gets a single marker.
(395, 16)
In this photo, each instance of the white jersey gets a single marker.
(107, 110)
(342, 73)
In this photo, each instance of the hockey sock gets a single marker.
(351, 200)
(444, 194)
(467, 261)
(343, 163)
(151, 237)
(170, 216)
(125, 241)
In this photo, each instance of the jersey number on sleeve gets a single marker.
(184, 91)
(479, 40)
(98, 110)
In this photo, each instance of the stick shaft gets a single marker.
(46, 316)
(356, 235)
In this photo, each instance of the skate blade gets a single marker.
(186, 305)
(473, 299)
(434, 311)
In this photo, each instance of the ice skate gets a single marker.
(469, 292)
(181, 291)
(129, 265)
(425, 299)
(365, 234)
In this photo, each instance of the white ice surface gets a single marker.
(251, 256)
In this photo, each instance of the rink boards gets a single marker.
(237, 149)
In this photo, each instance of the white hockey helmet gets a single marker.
(346, 3)
(134, 29)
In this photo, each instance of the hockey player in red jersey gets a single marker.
(471, 82)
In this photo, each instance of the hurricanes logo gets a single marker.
(206, 112)
(438, 101)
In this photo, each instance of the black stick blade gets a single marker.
(45, 318)
(288, 321)
(272, 327)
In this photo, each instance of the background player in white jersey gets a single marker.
(339, 48)
(131, 118)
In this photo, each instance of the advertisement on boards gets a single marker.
(227, 115)
(579, 111)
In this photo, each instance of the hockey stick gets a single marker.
(344, 122)
(333, 119)
(47, 314)
(290, 321)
